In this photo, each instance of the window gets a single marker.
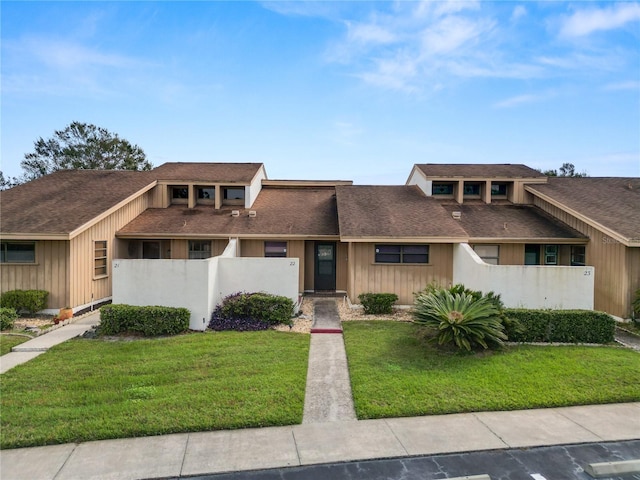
(233, 193)
(402, 254)
(206, 193)
(199, 249)
(488, 253)
(578, 255)
(472, 189)
(498, 189)
(275, 249)
(99, 258)
(179, 194)
(18, 252)
(550, 254)
(442, 189)
(532, 254)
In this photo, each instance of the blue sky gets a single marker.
(331, 90)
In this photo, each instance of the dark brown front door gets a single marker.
(325, 270)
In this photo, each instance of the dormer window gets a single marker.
(498, 189)
(442, 189)
(206, 195)
(233, 195)
(179, 194)
(471, 189)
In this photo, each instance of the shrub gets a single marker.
(378, 303)
(7, 318)
(460, 319)
(251, 311)
(511, 325)
(564, 326)
(25, 300)
(150, 321)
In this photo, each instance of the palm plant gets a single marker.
(461, 319)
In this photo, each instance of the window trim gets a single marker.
(97, 258)
(401, 253)
(3, 252)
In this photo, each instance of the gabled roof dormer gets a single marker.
(479, 182)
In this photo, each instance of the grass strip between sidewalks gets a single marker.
(7, 342)
(97, 389)
(396, 374)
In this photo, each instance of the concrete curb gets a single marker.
(610, 469)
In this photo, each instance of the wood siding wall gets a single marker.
(84, 287)
(295, 249)
(50, 273)
(615, 270)
(367, 276)
(304, 250)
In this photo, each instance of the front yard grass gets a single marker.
(7, 342)
(97, 389)
(395, 374)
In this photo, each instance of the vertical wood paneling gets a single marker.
(366, 276)
(342, 265)
(48, 273)
(512, 254)
(86, 288)
(613, 266)
(309, 265)
(295, 249)
(252, 248)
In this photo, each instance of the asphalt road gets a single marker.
(543, 463)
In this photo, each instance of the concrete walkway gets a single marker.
(188, 454)
(37, 346)
(328, 395)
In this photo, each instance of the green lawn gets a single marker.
(7, 342)
(394, 374)
(96, 389)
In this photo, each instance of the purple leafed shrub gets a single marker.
(244, 312)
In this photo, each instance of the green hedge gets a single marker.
(268, 308)
(377, 303)
(563, 326)
(150, 321)
(25, 300)
(7, 318)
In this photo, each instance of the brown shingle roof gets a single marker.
(392, 211)
(475, 170)
(510, 221)
(207, 172)
(612, 202)
(279, 211)
(64, 201)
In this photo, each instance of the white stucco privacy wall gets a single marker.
(168, 283)
(526, 286)
(200, 285)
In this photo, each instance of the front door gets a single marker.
(325, 271)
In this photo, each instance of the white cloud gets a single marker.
(629, 85)
(585, 22)
(452, 33)
(520, 100)
(518, 12)
(370, 34)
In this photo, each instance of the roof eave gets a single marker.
(589, 221)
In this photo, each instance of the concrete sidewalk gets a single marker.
(37, 346)
(309, 444)
(328, 396)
